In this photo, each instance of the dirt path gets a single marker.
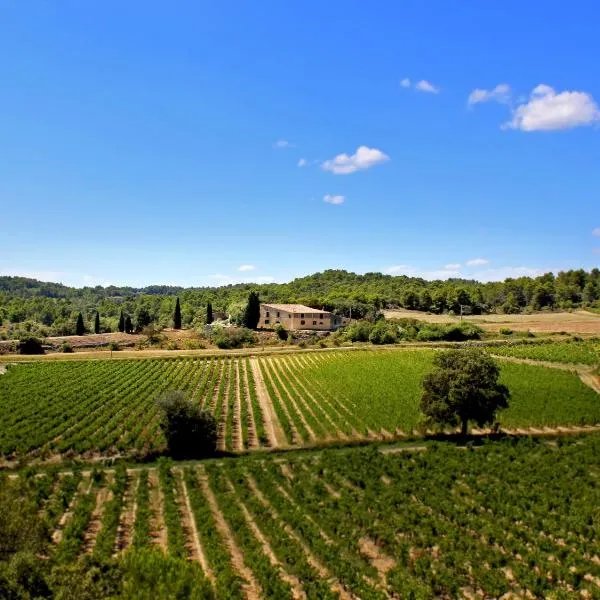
(127, 520)
(274, 373)
(251, 586)
(272, 426)
(222, 424)
(103, 495)
(189, 526)
(252, 437)
(323, 571)
(237, 437)
(83, 488)
(382, 563)
(158, 529)
(297, 591)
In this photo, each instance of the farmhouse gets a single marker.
(297, 316)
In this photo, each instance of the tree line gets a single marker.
(56, 307)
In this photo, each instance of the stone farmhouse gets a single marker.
(297, 316)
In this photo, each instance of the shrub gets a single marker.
(506, 330)
(384, 333)
(281, 332)
(234, 337)
(358, 331)
(30, 345)
(190, 431)
(66, 348)
(114, 346)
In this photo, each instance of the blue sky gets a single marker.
(203, 143)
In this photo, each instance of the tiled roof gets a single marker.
(295, 308)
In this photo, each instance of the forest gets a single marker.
(30, 304)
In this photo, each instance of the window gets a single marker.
(277, 315)
(320, 322)
(314, 322)
(267, 314)
(321, 316)
(302, 315)
(302, 323)
(267, 321)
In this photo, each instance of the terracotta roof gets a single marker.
(295, 308)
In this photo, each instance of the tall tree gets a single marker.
(252, 311)
(128, 325)
(209, 313)
(142, 318)
(121, 322)
(79, 326)
(177, 315)
(97, 323)
(463, 387)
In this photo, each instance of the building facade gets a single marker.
(297, 316)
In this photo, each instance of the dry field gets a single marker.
(578, 321)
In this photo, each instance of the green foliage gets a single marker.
(209, 313)
(189, 430)
(66, 348)
(177, 315)
(227, 338)
(282, 332)
(463, 387)
(79, 325)
(128, 325)
(252, 312)
(121, 325)
(578, 352)
(97, 323)
(30, 345)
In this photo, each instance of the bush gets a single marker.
(114, 346)
(281, 332)
(506, 330)
(30, 345)
(384, 333)
(66, 348)
(358, 331)
(190, 431)
(234, 337)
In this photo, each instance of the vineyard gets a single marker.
(583, 353)
(108, 407)
(506, 517)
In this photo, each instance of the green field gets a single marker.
(518, 517)
(584, 353)
(107, 407)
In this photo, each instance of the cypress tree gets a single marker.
(177, 316)
(128, 325)
(121, 323)
(79, 326)
(97, 323)
(209, 313)
(252, 311)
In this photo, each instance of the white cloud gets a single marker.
(283, 144)
(452, 266)
(596, 232)
(399, 269)
(246, 268)
(426, 86)
(502, 273)
(477, 262)
(363, 158)
(405, 83)
(411, 271)
(501, 93)
(302, 162)
(547, 110)
(334, 199)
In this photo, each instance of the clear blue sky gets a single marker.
(160, 142)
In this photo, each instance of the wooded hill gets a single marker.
(55, 306)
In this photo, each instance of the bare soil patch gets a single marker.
(272, 426)
(577, 321)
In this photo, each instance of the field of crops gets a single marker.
(108, 407)
(584, 353)
(518, 517)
